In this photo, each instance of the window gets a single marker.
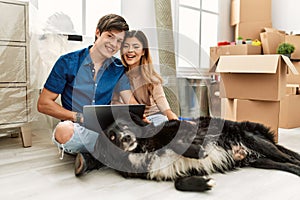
(197, 31)
(76, 16)
(59, 18)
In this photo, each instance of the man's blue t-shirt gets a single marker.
(73, 77)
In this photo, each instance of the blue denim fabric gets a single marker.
(83, 140)
(157, 119)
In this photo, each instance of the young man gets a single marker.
(84, 77)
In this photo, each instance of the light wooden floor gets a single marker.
(37, 173)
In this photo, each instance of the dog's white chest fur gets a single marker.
(171, 165)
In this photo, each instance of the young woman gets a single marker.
(146, 83)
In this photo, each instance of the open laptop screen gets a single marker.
(99, 117)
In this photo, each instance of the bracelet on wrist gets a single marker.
(78, 117)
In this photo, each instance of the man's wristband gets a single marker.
(78, 118)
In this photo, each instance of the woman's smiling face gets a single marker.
(132, 51)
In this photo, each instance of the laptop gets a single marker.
(99, 117)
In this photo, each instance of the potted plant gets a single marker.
(286, 49)
(239, 40)
(248, 41)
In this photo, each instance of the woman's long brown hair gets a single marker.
(148, 72)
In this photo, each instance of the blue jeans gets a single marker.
(157, 119)
(83, 140)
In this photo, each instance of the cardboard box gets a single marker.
(244, 49)
(290, 112)
(256, 77)
(270, 39)
(264, 112)
(295, 40)
(251, 30)
(294, 78)
(250, 11)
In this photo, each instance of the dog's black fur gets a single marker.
(188, 151)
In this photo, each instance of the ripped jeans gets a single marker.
(83, 140)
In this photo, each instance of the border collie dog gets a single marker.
(187, 152)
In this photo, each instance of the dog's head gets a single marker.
(121, 134)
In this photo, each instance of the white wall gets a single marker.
(139, 14)
(286, 15)
(226, 31)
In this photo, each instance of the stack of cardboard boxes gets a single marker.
(253, 86)
(249, 17)
(290, 104)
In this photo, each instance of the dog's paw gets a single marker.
(194, 183)
(238, 152)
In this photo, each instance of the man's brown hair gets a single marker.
(112, 22)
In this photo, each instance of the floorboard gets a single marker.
(37, 173)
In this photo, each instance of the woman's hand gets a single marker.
(145, 119)
(170, 115)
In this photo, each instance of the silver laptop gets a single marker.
(99, 117)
